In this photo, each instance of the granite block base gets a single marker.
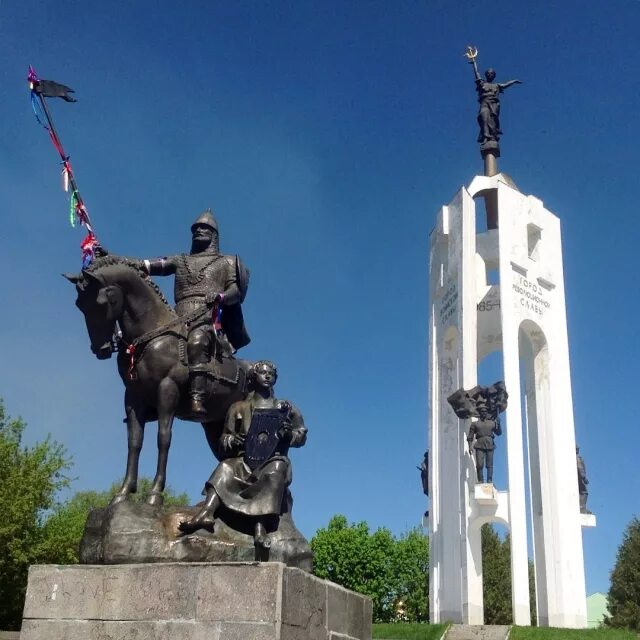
(190, 601)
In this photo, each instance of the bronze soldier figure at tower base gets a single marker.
(583, 481)
(481, 440)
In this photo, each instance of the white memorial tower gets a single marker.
(501, 289)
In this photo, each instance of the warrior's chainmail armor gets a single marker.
(208, 280)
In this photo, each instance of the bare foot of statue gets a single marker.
(202, 520)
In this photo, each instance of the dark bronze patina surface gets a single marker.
(252, 481)
(583, 481)
(485, 404)
(489, 113)
(181, 363)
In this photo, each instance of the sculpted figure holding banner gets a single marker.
(215, 283)
(481, 440)
(253, 480)
(483, 403)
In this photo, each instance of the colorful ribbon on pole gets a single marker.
(41, 89)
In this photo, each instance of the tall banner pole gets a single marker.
(41, 89)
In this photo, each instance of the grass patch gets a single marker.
(418, 631)
(550, 633)
(409, 631)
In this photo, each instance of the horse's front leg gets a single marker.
(134, 410)
(168, 397)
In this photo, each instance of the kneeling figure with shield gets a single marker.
(253, 480)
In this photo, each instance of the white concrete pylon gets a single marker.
(503, 290)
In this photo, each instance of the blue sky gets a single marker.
(325, 136)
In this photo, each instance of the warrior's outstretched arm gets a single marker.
(159, 266)
(506, 85)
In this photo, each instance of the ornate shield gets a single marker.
(242, 278)
(262, 439)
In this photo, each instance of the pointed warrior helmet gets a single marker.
(206, 218)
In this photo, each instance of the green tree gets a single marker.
(375, 564)
(61, 533)
(411, 568)
(31, 477)
(532, 594)
(496, 574)
(624, 592)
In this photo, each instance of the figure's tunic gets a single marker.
(484, 432)
(489, 115)
(259, 492)
(199, 275)
(202, 274)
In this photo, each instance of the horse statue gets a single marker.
(117, 298)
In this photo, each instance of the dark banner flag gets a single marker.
(51, 89)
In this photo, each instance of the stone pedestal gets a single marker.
(588, 519)
(130, 533)
(180, 601)
(485, 494)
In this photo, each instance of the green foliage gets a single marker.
(62, 531)
(550, 633)
(412, 574)
(357, 560)
(34, 528)
(375, 564)
(31, 477)
(532, 593)
(408, 631)
(624, 592)
(496, 572)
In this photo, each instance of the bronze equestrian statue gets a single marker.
(172, 364)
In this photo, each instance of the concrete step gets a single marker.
(477, 632)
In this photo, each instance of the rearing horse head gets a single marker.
(102, 304)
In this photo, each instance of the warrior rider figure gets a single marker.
(215, 283)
